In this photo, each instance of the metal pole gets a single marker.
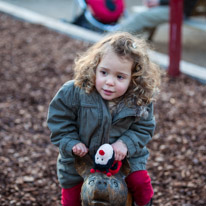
(176, 16)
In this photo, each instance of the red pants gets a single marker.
(138, 183)
(71, 196)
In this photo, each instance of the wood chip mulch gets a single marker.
(34, 63)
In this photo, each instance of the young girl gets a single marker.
(109, 101)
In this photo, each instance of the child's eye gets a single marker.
(120, 77)
(104, 72)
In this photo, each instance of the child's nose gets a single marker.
(110, 81)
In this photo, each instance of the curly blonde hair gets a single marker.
(145, 74)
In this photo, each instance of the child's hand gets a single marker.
(80, 149)
(120, 150)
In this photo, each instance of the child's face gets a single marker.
(113, 76)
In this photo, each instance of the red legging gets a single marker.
(71, 196)
(139, 184)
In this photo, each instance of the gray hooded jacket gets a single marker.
(75, 116)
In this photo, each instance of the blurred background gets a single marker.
(193, 41)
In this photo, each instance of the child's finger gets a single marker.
(119, 156)
(74, 149)
(80, 149)
(84, 151)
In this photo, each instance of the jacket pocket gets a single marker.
(62, 160)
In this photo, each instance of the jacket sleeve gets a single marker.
(62, 116)
(140, 133)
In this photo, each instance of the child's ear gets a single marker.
(83, 165)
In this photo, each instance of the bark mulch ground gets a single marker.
(34, 63)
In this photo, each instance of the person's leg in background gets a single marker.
(150, 18)
(139, 184)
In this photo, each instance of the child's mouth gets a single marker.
(108, 92)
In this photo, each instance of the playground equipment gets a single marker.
(99, 189)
